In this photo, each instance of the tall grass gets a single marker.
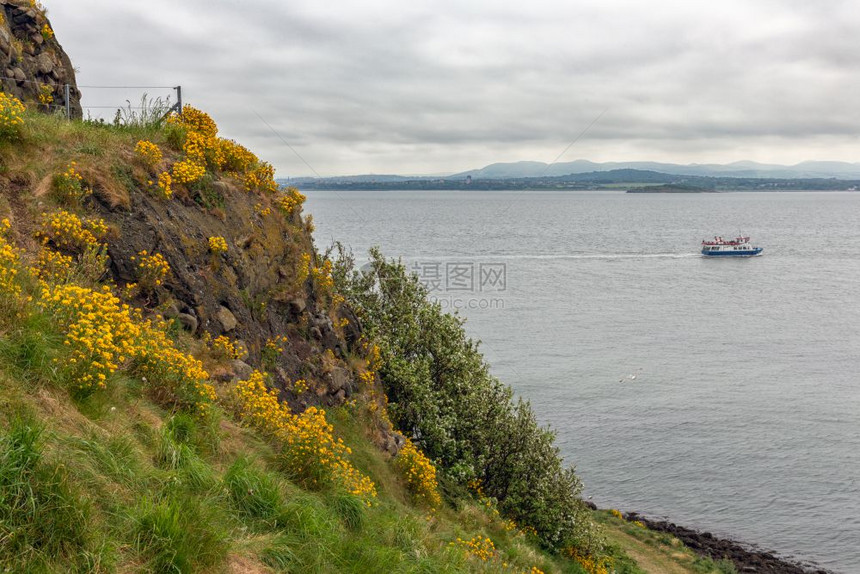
(149, 114)
(175, 452)
(42, 519)
(180, 534)
(28, 348)
(254, 493)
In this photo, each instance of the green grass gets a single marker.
(255, 493)
(180, 534)
(43, 520)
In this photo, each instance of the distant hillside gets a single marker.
(749, 169)
(618, 179)
(808, 170)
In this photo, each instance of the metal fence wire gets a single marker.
(104, 103)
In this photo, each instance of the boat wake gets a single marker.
(558, 256)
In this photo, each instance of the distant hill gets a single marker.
(747, 169)
(535, 169)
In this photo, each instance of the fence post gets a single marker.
(179, 98)
(68, 92)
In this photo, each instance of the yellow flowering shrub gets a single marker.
(616, 513)
(217, 245)
(46, 94)
(261, 178)
(100, 332)
(151, 270)
(309, 452)
(47, 31)
(478, 547)
(163, 186)
(195, 148)
(172, 377)
(304, 269)
(204, 150)
(300, 387)
(68, 232)
(187, 171)
(194, 120)
(419, 473)
(273, 349)
(290, 200)
(591, 564)
(103, 335)
(10, 263)
(235, 157)
(200, 144)
(323, 278)
(11, 116)
(223, 348)
(148, 153)
(53, 266)
(69, 186)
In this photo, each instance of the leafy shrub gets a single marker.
(441, 393)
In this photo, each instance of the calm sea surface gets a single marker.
(744, 414)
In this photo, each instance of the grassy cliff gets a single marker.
(187, 385)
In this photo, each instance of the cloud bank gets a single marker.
(438, 87)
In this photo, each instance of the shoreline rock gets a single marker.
(746, 558)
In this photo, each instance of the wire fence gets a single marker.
(102, 101)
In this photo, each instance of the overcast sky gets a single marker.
(421, 87)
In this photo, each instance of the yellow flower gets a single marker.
(217, 245)
(307, 444)
(151, 270)
(149, 153)
(419, 473)
(11, 116)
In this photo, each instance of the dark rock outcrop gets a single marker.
(745, 558)
(32, 60)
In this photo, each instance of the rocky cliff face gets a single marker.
(252, 293)
(33, 65)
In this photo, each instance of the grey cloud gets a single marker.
(382, 86)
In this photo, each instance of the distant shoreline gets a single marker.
(618, 179)
(670, 188)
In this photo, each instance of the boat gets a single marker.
(737, 247)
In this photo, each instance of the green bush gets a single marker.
(441, 393)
